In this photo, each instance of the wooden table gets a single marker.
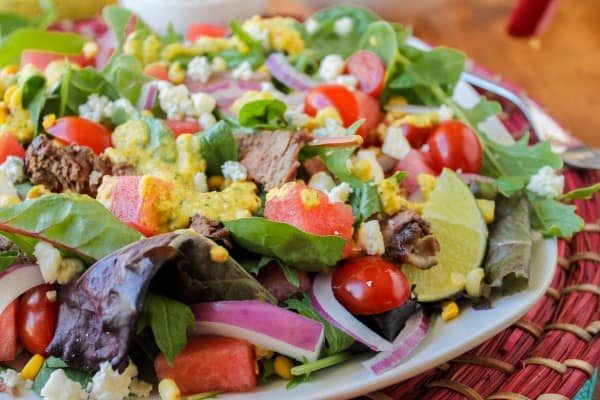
(561, 69)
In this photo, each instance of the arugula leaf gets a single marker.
(335, 340)
(381, 39)
(126, 74)
(553, 218)
(169, 321)
(13, 45)
(286, 243)
(72, 222)
(218, 145)
(7, 259)
(519, 159)
(510, 185)
(440, 66)
(365, 202)
(263, 114)
(50, 365)
(585, 193)
(326, 41)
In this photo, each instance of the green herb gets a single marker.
(50, 365)
(118, 20)
(580, 194)
(263, 114)
(75, 223)
(381, 39)
(7, 259)
(365, 202)
(267, 370)
(509, 245)
(553, 218)
(326, 41)
(126, 74)
(234, 57)
(510, 185)
(335, 159)
(335, 340)
(169, 320)
(237, 30)
(286, 243)
(36, 39)
(218, 145)
(171, 36)
(303, 371)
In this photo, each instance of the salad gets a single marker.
(199, 215)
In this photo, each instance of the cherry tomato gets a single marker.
(416, 135)
(368, 109)
(369, 70)
(82, 132)
(36, 319)
(196, 31)
(10, 146)
(454, 145)
(369, 285)
(181, 127)
(338, 96)
(41, 59)
(158, 70)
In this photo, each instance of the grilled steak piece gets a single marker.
(271, 158)
(71, 167)
(408, 239)
(211, 228)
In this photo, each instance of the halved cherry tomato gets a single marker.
(36, 319)
(416, 135)
(454, 145)
(338, 96)
(158, 70)
(10, 146)
(9, 342)
(369, 70)
(181, 127)
(368, 108)
(81, 131)
(369, 285)
(196, 31)
(41, 59)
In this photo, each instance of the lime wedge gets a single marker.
(461, 231)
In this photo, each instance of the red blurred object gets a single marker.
(531, 17)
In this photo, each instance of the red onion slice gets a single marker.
(148, 96)
(284, 72)
(261, 324)
(407, 340)
(326, 304)
(16, 280)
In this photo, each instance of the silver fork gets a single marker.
(573, 152)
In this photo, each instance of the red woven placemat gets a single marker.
(550, 352)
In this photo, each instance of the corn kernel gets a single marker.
(8, 200)
(263, 69)
(362, 168)
(309, 198)
(49, 121)
(9, 94)
(487, 208)
(283, 367)
(427, 183)
(37, 191)
(10, 69)
(33, 366)
(261, 353)
(450, 310)
(3, 112)
(168, 390)
(147, 113)
(176, 73)
(90, 49)
(473, 283)
(215, 182)
(219, 254)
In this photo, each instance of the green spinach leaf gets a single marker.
(336, 341)
(126, 74)
(381, 39)
(10, 22)
(7, 259)
(75, 223)
(50, 365)
(118, 20)
(218, 145)
(169, 320)
(286, 243)
(36, 39)
(263, 114)
(365, 202)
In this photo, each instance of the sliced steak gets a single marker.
(211, 228)
(71, 167)
(408, 239)
(271, 158)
